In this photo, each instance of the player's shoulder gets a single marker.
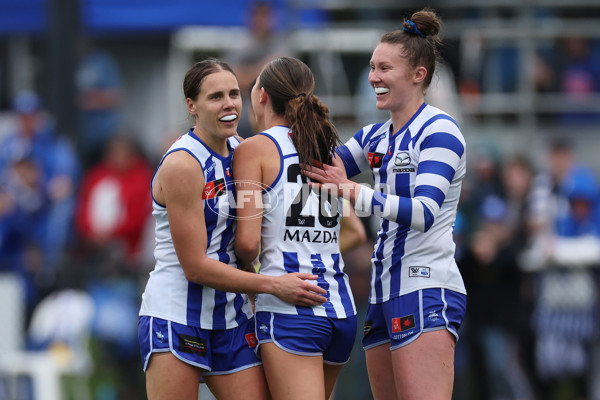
(180, 161)
(372, 133)
(433, 116)
(253, 142)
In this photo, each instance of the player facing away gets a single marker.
(297, 230)
(194, 321)
(417, 157)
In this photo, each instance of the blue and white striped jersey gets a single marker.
(169, 295)
(300, 232)
(418, 172)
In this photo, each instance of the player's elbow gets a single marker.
(246, 249)
(194, 273)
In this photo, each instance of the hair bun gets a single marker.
(411, 28)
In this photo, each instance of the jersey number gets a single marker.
(294, 213)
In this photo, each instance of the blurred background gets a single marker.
(90, 98)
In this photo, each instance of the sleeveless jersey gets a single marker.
(417, 172)
(169, 295)
(300, 233)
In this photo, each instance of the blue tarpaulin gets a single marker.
(22, 16)
(106, 16)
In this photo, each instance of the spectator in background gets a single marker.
(490, 266)
(99, 98)
(573, 69)
(262, 44)
(113, 206)
(23, 224)
(113, 210)
(563, 258)
(39, 171)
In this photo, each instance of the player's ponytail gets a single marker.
(290, 83)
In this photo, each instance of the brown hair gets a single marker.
(290, 84)
(200, 70)
(420, 45)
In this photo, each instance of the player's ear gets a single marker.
(191, 106)
(420, 74)
(263, 96)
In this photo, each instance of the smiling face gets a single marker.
(217, 108)
(395, 82)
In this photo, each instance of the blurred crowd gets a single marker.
(72, 227)
(528, 243)
(77, 217)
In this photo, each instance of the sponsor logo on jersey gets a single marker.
(375, 160)
(251, 339)
(402, 170)
(192, 344)
(310, 236)
(418, 272)
(214, 189)
(402, 159)
(403, 323)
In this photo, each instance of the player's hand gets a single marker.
(330, 178)
(294, 288)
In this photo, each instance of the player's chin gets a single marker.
(381, 104)
(229, 130)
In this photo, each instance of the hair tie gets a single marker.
(412, 29)
(301, 95)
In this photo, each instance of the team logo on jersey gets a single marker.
(192, 344)
(251, 339)
(403, 323)
(418, 272)
(214, 189)
(402, 159)
(375, 160)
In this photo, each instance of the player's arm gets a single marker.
(352, 230)
(247, 172)
(440, 156)
(181, 185)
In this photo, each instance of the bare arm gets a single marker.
(352, 230)
(247, 171)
